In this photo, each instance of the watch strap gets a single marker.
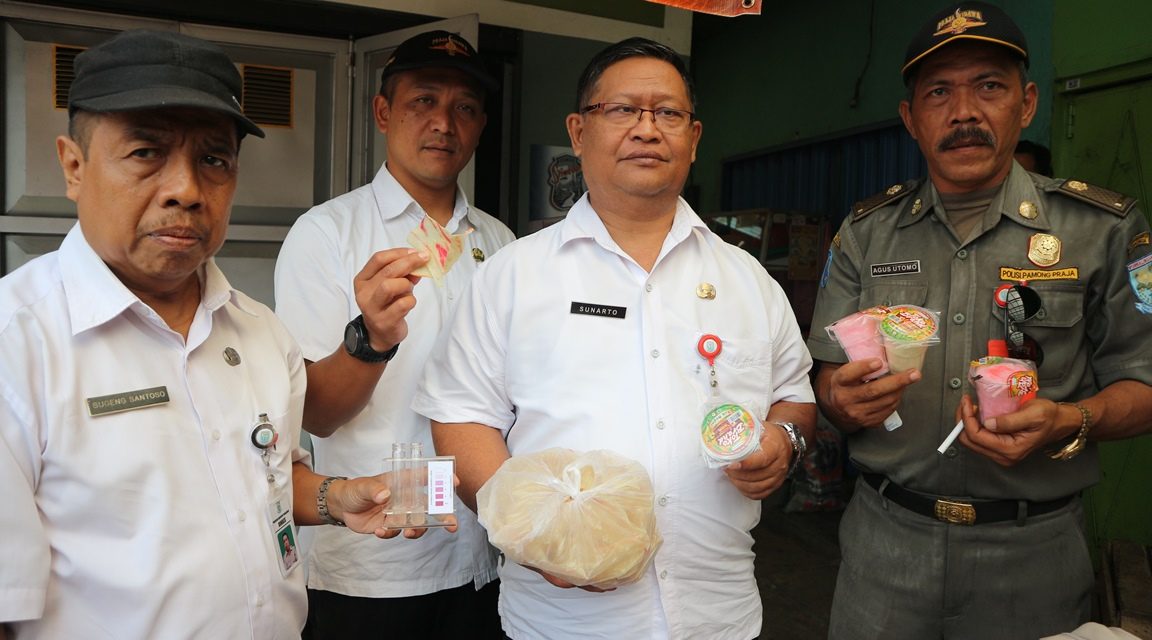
(322, 501)
(1072, 449)
(799, 447)
(363, 350)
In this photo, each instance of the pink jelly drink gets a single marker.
(859, 336)
(1003, 385)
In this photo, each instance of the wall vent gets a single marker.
(63, 72)
(268, 95)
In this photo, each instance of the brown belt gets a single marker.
(955, 512)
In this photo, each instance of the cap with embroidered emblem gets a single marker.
(143, 69)
(437, 49)
(977, 21)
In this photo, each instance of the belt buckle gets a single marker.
(955, 512)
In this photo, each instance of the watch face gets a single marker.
(351, 338)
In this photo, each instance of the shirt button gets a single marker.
(655, 353)
(955, 383)
(663, 574)
(951, 452)
(216, 434)
(259, 600)
(241, 516)
(660, 424)
(962, 254)
(648, 287)
(958, 318)
(663, 501)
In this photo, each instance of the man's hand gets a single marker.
(763, 472)
(850, 403)
(384, 294)
(360, 504)
(1010, 438)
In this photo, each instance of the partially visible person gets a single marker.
(344, 273)
(1034, 157)
(149, 412)
(588, 335)
(984, 540)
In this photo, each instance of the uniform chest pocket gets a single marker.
(893, 293)
(743, 374)
(1058, 327)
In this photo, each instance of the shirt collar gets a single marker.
(393, 201)
(95, 295)
(582, 221)
(1016, 201)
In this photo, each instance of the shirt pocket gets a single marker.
(743, 374)
(893, 293)
(1058, 327)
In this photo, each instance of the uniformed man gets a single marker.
(984, 540)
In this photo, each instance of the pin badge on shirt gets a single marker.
(1044, 249)
(706, 291)
(477, 254)
(231, 356)
(1028, 210)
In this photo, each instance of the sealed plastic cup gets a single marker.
(1003, 385)
(907, 332)
(859, 336)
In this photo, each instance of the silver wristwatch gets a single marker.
(322, 501)
(799, 446)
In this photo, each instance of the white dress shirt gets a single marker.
(152, 522)
(315, 298)
(629, 378)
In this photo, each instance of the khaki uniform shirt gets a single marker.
(1092, 326)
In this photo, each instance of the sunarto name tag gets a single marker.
(602, 310)
(127, 401)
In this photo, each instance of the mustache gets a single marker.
(967, 134)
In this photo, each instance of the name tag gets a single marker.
(895, 268)
(590, 309)
(127, 401)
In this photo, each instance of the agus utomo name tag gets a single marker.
(729, 433)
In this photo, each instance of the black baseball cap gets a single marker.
(977, 21)
(142, 69)
(438, 49)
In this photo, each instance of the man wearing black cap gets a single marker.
(149, 413)
(983, 539)
(345, 289)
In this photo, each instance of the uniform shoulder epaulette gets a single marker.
(1117, 203)
(861, 209)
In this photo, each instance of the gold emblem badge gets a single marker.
(1076, 185)
(1028, 210)
(917, 206)
(1140, 240)
(478, 254)
(706, 291)
(836, 240)
(959, 22)
(1044, 250)
(894, 189)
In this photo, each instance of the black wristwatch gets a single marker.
(799, 446)
(357, 345)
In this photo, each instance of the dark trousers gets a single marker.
(462, 612)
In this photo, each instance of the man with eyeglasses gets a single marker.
(985, 539)
(588, 335)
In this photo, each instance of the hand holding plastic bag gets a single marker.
(586, 518)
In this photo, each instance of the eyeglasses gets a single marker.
(627, 115)
(1021, 303)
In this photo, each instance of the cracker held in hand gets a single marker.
(443, 248)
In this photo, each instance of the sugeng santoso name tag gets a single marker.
(127, 401)
(602, 310)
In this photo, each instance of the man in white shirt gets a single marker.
(346, 259)
(590, 335)
(149, 413)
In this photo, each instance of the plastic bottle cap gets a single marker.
(998, 348)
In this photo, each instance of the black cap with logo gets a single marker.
(143, 69)
(438, 49)
(977, 21)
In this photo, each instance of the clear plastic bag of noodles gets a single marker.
(587, 518)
